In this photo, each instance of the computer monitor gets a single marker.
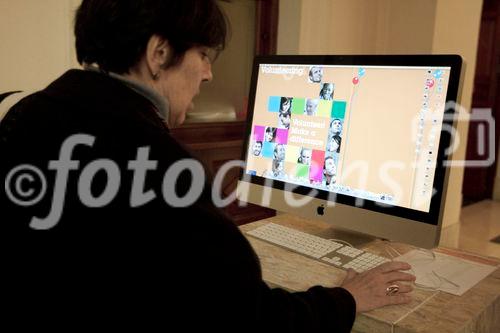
(360, 142)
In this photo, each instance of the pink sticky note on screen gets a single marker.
(317, 162)
(258, 133)
(282, 136)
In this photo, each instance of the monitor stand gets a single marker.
(356, 239)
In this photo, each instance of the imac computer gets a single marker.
(360, 142)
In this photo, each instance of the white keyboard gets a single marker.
(325, 250)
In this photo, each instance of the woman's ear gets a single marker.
(158, 52)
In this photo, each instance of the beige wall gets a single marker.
(405, 26)
(457, 31)
(393, 27)
(289, 26)
(37, 42)
(337, 26)
(356, 26)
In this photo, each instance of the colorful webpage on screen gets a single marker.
(367, 131)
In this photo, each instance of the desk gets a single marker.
(478, 310)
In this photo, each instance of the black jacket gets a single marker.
(121, 266)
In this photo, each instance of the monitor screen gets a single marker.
(369, 132)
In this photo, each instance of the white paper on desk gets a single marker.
(454, 275)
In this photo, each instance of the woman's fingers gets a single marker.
(399, 276)
(393, 266)
(351, 273)
(383, 285)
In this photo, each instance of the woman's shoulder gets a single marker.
(26, 112)
(90, 103)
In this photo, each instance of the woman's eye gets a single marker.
(205, 56)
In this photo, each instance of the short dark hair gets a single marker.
(338, 140)
(114, 33)
(331, 122)
(284, 100)
(271, 130)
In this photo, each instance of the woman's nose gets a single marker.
(208, 75)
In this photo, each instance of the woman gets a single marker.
(285, 112)
(285, 104)
(326, 91)
(270, 135)
(140, 259)
(334, 143)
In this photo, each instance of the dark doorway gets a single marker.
(479, 181)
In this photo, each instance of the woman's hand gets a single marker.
(372, 289)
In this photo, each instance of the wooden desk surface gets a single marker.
(478, 310)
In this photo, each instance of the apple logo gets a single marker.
(321, 210)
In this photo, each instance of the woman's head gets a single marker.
(163, 44)
(285, 104)
(334, 144)
(115, 33)
(270, 134)
(326, 91)
(285, 112)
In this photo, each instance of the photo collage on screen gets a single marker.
(290, 161)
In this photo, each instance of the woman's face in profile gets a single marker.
(181, 83)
